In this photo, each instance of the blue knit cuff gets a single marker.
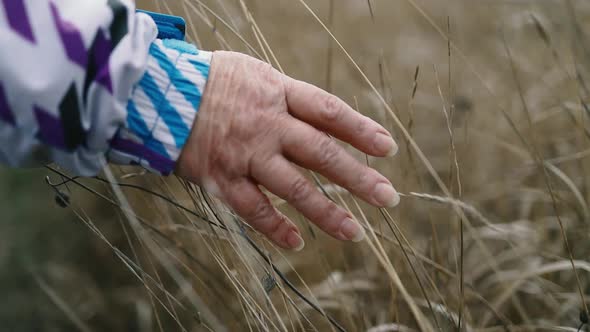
(169, 26)
(163, 107)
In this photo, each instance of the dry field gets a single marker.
(489, 101)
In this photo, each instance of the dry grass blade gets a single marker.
(61, 304)
(536, 155)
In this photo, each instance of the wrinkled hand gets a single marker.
(254, 122)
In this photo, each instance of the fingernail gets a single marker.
(385, 144)
(295, 241)
(385, 195)
(352, 230)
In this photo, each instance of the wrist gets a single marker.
(163, 107)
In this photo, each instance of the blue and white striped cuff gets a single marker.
(163, 107)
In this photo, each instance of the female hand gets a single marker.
(254, 123)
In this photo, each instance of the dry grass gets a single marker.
(492, 233)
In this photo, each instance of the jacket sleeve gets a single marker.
(83, 79)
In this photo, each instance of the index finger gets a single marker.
(330, 114)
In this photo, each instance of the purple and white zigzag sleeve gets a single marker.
(67, 70)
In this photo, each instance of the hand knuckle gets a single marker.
(328, 153)
(332, 108)
(299, 191)
(262, 210)
(271, 91)
(265, 70)
(288, 84)
(364, 180)
(274, 228)
(362, 125)
(330, 213)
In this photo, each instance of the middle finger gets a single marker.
(312, 149)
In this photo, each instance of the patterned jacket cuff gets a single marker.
(163, 107)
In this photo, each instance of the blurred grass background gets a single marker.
(40, 238)
(57, 275)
